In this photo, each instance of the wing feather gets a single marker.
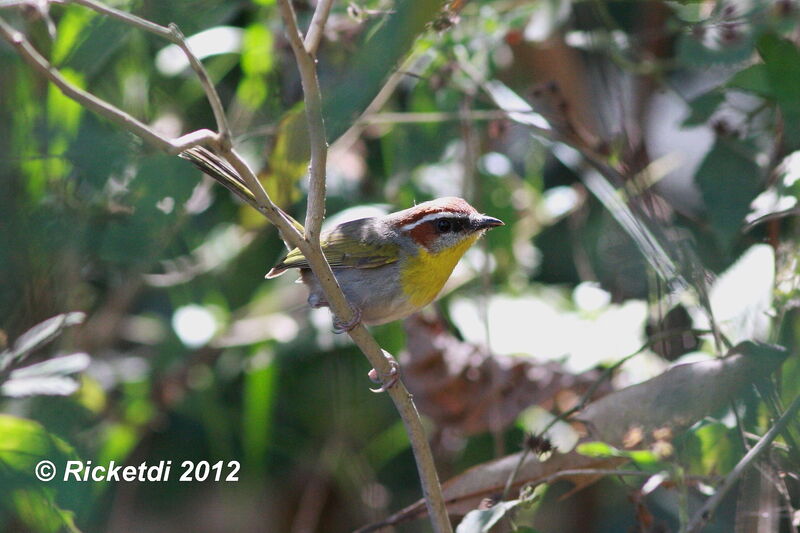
(349, 245)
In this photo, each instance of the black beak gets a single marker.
(484, 222)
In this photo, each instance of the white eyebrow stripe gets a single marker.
(432, 216)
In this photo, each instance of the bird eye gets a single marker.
(444, 225)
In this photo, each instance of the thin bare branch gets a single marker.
(265, 204)
(434, 116)
(306, 64)
(429, 478)
(88, 100)
(354, 132)
(174, 35)
(703, 515)
(124, 16)
(208, 86)
(317, 26)
(14, 3)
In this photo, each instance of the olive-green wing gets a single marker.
(349, 246)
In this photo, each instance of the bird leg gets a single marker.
(394, 374)
(344, 327)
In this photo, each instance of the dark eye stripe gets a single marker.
(451, 224)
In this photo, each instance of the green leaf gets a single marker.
(258, 58)
(39, 505)
(717, 453)
(782, 61)
(601, 449)
(99, 137)
(641, 457)
(597, 449)
(753, 79)
(729, 179)
(36, 511)
(259, 394)
(703, 107)
(156, 197)
(257, 49)
(389, 40)
(72, 29)
(290, 155)
(708, 48)
(23, 443)
(118, 442)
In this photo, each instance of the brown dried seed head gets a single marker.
(633, 437)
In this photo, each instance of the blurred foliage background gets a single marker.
(176, 348)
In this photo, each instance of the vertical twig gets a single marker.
(317, 26)
(703, 515)
(316, 127)
(429, 478)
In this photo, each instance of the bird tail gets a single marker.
(223, 173)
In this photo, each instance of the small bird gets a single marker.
(391, 266)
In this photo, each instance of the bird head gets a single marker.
(442, 224)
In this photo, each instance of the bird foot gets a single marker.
(344, 327)
(394, 375)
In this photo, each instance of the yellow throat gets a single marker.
(425, 274)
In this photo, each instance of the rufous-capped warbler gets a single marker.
(388, 266)
(391, 266)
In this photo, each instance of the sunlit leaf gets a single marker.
(43, 385)
(481, 521)
(257, 49)
(71, 28)
(259, 391)
(118, 441)
(661, 402)
(653, 482)
(46, 378)
(596, 449)
(36, 510)
(39, 336)
(258, 57)
(171, 60)
(289, 159)
(715, 451)
(23, 444)
(58, 366)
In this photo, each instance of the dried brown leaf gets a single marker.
(461, 386)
